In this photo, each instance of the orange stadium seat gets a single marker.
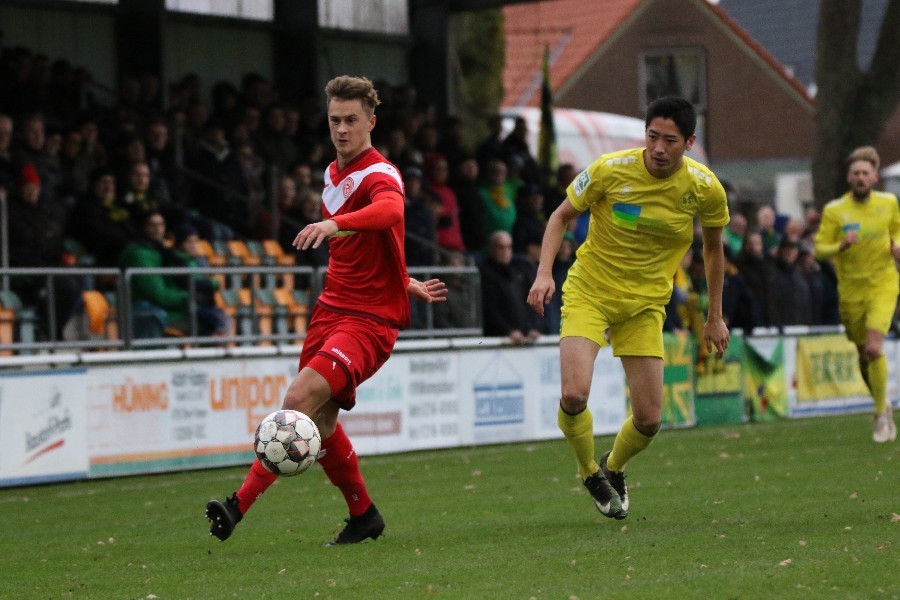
(210, 254)
(297, 304)
(263, 312)
(238, 249)
(101, 315)
(275, 253)
(7, 327)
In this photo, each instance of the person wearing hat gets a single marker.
(100, 222)
(860, 232)
(36, 229)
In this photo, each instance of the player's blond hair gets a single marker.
(347, 87)
(866, 153)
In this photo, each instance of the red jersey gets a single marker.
(366, 268)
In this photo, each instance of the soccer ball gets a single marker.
(287, 442)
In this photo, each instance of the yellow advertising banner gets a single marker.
(828, 367)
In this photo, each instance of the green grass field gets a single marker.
(799, 509)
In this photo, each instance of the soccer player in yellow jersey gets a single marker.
(861, 232)
(643, 203)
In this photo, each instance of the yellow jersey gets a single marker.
(869, 263)
(640, 226)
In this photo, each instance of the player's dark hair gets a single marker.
(679, 110)
(347, 87)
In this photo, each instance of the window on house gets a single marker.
(376, 16)
(674, 71)
(258, 10)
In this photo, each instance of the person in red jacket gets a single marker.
(357, 318)
(448, 232)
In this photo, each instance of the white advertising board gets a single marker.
(411, 403)
(443, 399)
(160, 417)
(42, 427)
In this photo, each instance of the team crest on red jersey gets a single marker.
(348, 187)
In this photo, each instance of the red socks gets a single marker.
(339, 463)
(257, 481)
(342, 467)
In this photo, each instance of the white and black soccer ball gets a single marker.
(287, 442)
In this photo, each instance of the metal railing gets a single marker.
(461, 315)
(248, 313)
(28, 320)
(258, 318)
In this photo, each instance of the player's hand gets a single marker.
(517, 337)
(433, 290)
(851, 238)
(715, 334)
(314, 234)
(541, 293)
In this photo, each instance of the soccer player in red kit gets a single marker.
(358, 315)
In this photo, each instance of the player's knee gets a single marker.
(873, 352)
(649, 426)
(573, 402)
(307, 394)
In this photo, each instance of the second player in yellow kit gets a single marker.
(643, 203)
(860, 232)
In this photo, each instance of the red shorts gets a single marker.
(357, 345)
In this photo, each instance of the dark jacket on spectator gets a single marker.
(103, 226)
(504, 289)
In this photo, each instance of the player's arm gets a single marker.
(542, 290)
(829, 240)
(715, 331)
(385, 211)
(895, 229)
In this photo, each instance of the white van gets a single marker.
(890, 178)
(582, 135)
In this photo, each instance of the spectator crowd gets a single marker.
(133, 181)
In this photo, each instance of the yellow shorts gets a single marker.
(875, 311)
(635, 327)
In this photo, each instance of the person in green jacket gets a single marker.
(158, 303)
(498, 196)
(211, 320)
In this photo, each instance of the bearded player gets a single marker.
(860, 231)
(357, 317)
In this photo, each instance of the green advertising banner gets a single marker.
(720, 386)
(678, 380)
(765, 385)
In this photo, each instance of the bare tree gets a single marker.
(852, 106)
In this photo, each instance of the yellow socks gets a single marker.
(878, 376)
(629, 442)
(579, 431)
